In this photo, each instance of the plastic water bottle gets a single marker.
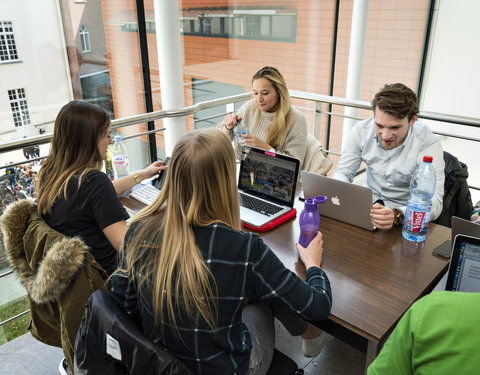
(119, 158)
(310, 220)
(239, 130)
(417, 213)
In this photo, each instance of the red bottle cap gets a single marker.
(428, 159)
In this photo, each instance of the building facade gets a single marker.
(34, 71)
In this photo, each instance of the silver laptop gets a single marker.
(464, 269)
(266, 185)
(346, 202)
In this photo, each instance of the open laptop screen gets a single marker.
(464, 271)
(268, 175)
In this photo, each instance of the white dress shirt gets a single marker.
(389, 171)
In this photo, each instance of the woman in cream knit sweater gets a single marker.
(271, 120)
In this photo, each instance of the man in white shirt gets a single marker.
(392, 144)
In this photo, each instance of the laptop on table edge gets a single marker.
(464, 269)
(267, 178)
(346, 201)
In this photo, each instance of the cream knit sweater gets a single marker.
(295, 142)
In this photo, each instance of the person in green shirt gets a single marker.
(439, 334)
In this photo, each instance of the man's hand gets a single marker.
(382, 217)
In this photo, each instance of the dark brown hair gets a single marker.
(74, 148)
(397, 100)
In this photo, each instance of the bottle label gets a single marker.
(120, 160)
(417, 220)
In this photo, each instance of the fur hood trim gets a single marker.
(49, 279)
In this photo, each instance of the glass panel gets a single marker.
(215, 26)
(203, 90)
(115, 42)
(282, 27)
(238, 26)
(18, 326)
(265, 26)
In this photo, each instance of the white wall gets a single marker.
(43, 70)
(453, 78)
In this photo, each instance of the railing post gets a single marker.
(317, 119)
(170, 64)
(355, 61)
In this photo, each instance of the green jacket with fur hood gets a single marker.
(58, 272)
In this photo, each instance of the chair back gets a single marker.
(109, 342)
(316, 160)
(457, 200)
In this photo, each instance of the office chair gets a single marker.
(457, 200)
(109, 342)
(316, 160)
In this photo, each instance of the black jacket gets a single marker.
(109, 342)
(457, 200)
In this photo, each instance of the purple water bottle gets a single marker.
(309, 222)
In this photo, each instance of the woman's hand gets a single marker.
(252, 141)
(312, 255)
(152, 170)
(229, 122)
(127, 182)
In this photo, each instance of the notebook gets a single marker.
(266, 186)
(149, 192)
(346, 202)
(464, 269)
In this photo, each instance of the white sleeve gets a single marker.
(351, 157)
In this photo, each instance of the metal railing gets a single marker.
(319, 101)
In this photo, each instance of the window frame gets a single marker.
(19, 106)
(241, 26)
(85, 41)
(8, 44)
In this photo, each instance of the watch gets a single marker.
(136, 178)
(398, 216)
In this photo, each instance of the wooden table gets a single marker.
(375, 276)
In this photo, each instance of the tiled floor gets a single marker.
(337, 358)
(26, 356)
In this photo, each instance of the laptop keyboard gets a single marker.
(146, 194)
(259, 205)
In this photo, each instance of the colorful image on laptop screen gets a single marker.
(272, 177)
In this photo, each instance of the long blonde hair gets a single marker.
(162, 253)
(74, 148)
(277, 129)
